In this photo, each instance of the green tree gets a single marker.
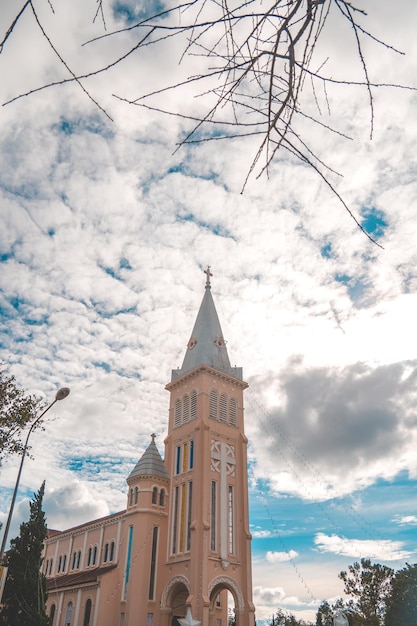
(17, 410)
(24, 594)
(281, 618)
(324, 615)
(402, 601)
(326, 612)
(369, 584)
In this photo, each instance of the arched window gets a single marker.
(78, 559)
(177, 459)
(231, 520)
(74, 560)
(186, 409)
(155, 495)
(46, 567)
(233, 412)
(52, 614)
(68, 614)
(59, 564)
(193, 399)
(112, 551)
(213, 404)
(136, 494)
(213, 515)
(90, 552)
(191, 463)
(50, 566)
(223, 408)
(131, 498)
(106, 553)
(87, 613)
(64, 563)
(94, 555)
(177, 413)
(162, 497)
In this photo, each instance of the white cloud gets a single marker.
(280, 557)
(260, 533)
(268, 599)
(385, 550)
(335, 430)
(268, 595)
(405, 520)
(64, 507)
(103, 236)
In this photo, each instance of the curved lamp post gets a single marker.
(60, 395)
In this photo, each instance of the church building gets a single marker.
(182, 546)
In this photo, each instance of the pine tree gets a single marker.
(402, 602)
(24, 594)
(369, 584)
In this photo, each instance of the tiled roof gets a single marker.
(90, 575)
(150, 463)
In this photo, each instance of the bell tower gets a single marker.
(208, 539)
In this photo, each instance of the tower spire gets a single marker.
(206, 345)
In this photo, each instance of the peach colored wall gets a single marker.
(195, 575)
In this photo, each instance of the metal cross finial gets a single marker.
(153, 435)
(208, 274)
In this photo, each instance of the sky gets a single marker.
(106, 226)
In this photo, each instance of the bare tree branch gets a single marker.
(255, 58)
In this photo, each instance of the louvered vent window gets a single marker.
(213, 404)
(193, 397)
(186, 409)
(177, 414)
(233, 412)
(223, 408)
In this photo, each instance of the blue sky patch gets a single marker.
(131, 12)
(105, 366)
(92, 465)
(373, 221)
(124, 264)
(216, 229)
(92, 124)
(355, 287)
(326, 251)
(39, 321)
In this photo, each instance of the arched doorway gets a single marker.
(224, 603)
(175, 598)
(178, 604)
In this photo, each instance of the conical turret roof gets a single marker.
(150, 463)
(207, 345)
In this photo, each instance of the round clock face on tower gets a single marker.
(192, 343)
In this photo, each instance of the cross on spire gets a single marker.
(153, 435)
(209, 275)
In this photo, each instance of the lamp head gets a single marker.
(62, 393)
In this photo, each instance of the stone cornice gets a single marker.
(178, 382)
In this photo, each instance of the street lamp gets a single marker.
(60, 395)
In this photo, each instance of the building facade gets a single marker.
(182, 545)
